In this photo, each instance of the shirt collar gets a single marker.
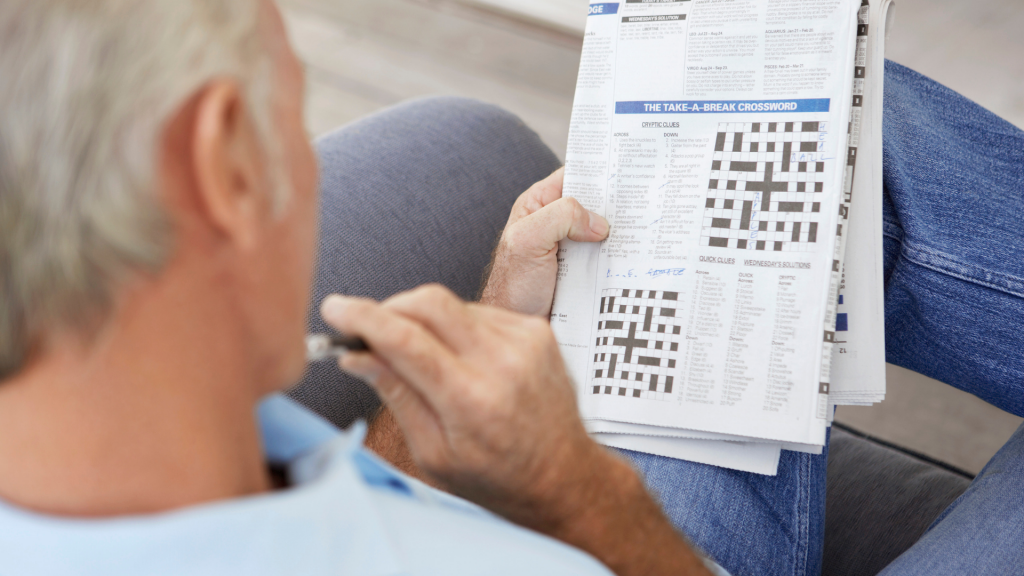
(329, 518)
(290, 431)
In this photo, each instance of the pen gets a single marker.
(324, 346)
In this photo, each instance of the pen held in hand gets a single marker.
(323, 346)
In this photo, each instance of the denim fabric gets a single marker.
(749, 523)
(954, 182)
(982, 533)
(415, 194)
(954, 241)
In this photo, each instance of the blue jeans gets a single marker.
(954, 177)
(420, 192)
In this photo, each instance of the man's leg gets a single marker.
(415, 194)
(982, 533)
(955, 297)
(954, 240)
(752, 525)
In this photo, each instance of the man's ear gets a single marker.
(228, 164)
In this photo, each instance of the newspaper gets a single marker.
(720, 139)
(858, 369)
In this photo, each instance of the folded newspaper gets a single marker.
(735, 148)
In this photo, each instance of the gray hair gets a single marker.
(86, 87)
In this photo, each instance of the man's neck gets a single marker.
(154, 415)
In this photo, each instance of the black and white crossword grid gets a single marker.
(767, 181)
(638, 343)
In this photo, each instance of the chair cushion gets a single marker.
(880, 500)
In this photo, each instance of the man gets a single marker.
(150, 303)
(157, 232)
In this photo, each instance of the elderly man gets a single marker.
(158, 227)
(156, 280)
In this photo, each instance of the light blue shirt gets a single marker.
(348, 513)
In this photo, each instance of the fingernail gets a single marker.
(333, 307)
(598, 224)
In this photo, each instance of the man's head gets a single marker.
(143, 139)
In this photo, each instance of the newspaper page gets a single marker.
(852, 382)
(858, 366)
(713, 134)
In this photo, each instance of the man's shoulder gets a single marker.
(412, 527)
(386, 519)
(349, 513)
(337, 525)
(434, 532)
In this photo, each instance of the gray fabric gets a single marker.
(415, 194)
(879, 502)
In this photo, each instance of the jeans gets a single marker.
(419, 193)
(954, 268)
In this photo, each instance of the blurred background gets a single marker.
(363, 55)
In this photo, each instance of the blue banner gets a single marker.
(604, 8)
(722, 106)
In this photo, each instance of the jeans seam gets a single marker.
(892, 230)
(800, 568)
(949, 266)
(805, 524)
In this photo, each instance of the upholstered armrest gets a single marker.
(880, 500)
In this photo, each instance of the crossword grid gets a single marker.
(637, 344)
(766, 185)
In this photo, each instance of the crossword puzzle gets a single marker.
(767, 181)
(637, 344)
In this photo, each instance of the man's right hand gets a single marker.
(489, 413)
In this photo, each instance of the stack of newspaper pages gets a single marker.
(735, 148)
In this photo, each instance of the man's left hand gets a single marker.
(525, 265)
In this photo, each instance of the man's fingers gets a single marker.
(441, 312)
(538, 234)
(414, 414)
(363, 365)
(405, 346)
(538, 196)
(460, 325)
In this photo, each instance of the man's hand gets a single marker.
(522, 276)
(489, 413)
